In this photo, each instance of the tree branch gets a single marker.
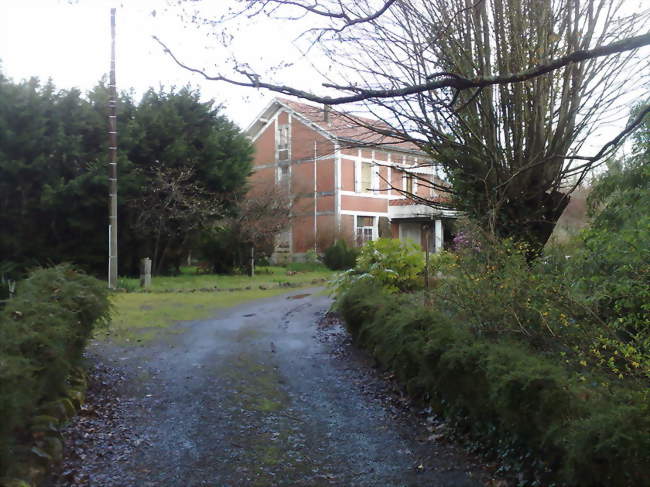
(629, 128)
(457, 82)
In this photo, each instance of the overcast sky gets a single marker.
(69, 41)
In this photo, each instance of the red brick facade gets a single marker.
(340, 191)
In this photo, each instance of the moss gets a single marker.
(255, 385)
(272, 455)
(257, 397)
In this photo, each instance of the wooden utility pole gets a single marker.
(112, 166)
(316, 196)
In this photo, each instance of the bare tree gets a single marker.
(501, 93)
(263, 214)
(172, 208)
(250, 230)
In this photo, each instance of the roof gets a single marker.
(352, 130)
(438, 198)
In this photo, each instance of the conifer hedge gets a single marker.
(43, 332)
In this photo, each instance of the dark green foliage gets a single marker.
(394, 265)
(612, 269)
(305, 266)
(616, 433)
(249, 231)
(588, 435)
(177, 129)
(359, 304)
(53, 173)
(609, 268)
(191, 163)
(43, 331)
(222, 248)
(546, 360)
(340, 256)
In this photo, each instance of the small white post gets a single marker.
(145, 273)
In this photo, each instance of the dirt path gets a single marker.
(259, 395)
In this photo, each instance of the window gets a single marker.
(365, 229)
(282, 142)
(365, 180)
(409, 183)
(283, 137)
(283, 174)
(432, 190)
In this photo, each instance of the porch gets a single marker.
(428, 227)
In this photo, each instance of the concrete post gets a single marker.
(145, 273)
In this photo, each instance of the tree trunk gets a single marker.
(532, 221)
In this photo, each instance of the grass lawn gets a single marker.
(265, 276)
(141, 316)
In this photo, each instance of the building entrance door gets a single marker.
(410, 231)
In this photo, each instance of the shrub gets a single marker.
(43, 331)
(359, 304)
(611, 270)
(392, 264)
(610, 446)
(584, 433)
(440, 263)
(228, 252)
(340, 256)
(543, 357)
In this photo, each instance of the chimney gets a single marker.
(326, 113)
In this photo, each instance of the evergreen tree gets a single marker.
(192, 164)
(53, 177)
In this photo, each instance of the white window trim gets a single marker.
(278, 172)
(405, 176)
(374, 176)
(278, 129)
(375, 224)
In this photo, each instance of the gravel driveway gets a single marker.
(265, 393)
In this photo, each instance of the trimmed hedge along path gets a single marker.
(504, 394)
(43, 332)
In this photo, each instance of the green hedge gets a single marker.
(340, 256)
(43, 332)
(508, 394)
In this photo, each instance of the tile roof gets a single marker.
(439, 198)
(348, 127)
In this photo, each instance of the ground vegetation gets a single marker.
(44, 329)
(547, 360)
